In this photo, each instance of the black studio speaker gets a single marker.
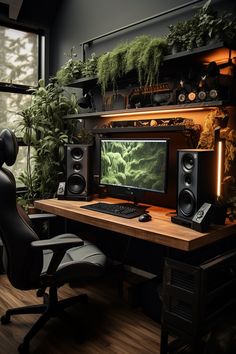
(196, 183)
(78, 172)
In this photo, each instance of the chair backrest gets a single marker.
(23, 264)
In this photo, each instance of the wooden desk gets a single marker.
(159, 230)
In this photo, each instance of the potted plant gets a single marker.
(75, 69)
(204, 27)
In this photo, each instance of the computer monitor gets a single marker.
(133, 168)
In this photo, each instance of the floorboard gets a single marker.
(106, 325)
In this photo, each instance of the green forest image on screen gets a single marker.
(138, 164)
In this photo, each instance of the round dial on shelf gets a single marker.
(192, 96)
(202, 95)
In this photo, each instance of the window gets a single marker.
(21, 64)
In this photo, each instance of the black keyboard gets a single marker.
(125, 210)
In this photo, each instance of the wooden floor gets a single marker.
(107, 324)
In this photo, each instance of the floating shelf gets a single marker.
(197, 51)
(149, 110)
(84, 82)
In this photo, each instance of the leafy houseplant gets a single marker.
(74, 68)
(205, 26)
(89, 67)
(45, 134)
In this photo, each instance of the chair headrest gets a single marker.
(8, 147)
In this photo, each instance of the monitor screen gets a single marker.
(134, 165)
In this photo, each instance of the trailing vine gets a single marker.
(111, 66)
(143, 55)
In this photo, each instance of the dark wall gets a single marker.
(79, 21)
(67, 23)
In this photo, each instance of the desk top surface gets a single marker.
(159, 230)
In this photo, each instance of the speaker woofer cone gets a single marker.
(187, 202)
(76, 184)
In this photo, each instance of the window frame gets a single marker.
(18, 88)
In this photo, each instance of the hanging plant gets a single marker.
(143, 55)
(111, 66)
(150, 60)
(134, 51)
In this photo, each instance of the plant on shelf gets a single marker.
(75, 69)
(143, 55)
(111, 66)
(204, 27)
(45, 133)
(89, 68)
(71, 70)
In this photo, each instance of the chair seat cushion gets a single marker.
(78, 263)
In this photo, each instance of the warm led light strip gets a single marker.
(219, 168)
(123, 114)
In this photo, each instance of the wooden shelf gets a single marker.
(149, 110)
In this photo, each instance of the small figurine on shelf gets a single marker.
(202, 93)
(182, 94)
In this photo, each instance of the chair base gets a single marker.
(51, 307)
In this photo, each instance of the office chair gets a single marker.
(31, 263)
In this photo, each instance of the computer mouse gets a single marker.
(144, 217)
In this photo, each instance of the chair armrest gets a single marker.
(59, 245)
(42, 217)
(47, 225)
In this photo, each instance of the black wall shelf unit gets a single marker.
(86, 82)
(203, 54)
